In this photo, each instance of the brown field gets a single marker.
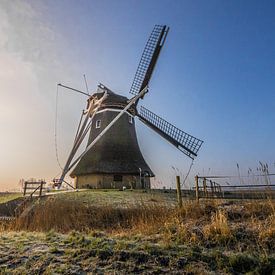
(114, 232)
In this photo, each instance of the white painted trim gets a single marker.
(113, 110)
(130, 119)
(98, 124)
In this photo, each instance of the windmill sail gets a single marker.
(186, 143)
(149, 59)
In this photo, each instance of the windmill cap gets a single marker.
(113, 100)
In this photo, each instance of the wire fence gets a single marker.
(218, 187)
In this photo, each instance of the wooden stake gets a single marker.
(204, 187)
(41, 188)
(197, 188)
(25, 188)
(179, 191)
(212, 190)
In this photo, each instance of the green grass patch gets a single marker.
(5, 197)
(117, 198)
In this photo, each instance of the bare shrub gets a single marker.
(218, 229)
(267, 232)
(260, 209)
(192, 210)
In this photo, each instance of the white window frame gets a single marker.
(97, 124)
(130, 119)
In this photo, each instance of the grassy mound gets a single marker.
(141, 233)
(209, 223)
(6, 197)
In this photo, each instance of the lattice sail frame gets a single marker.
(149, 58)
(186, 143)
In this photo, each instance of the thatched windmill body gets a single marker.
(113, 158)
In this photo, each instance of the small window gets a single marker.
(131, 119)
(97, 124)
(117, 177)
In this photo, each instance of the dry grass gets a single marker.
(267, 232)
(218, 229)
(64, 216)
(215, 223)
(217, 237)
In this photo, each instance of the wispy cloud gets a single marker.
(29, 70)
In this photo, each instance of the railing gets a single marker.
(33, 188)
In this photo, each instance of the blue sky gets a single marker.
(214, 78)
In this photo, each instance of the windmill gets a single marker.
(112, 158)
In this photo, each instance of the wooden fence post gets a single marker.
(179, 191)
(220, 190)
(41, 188)
(204, 187)
(212, 190)
(25, 188)
(197, 188)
